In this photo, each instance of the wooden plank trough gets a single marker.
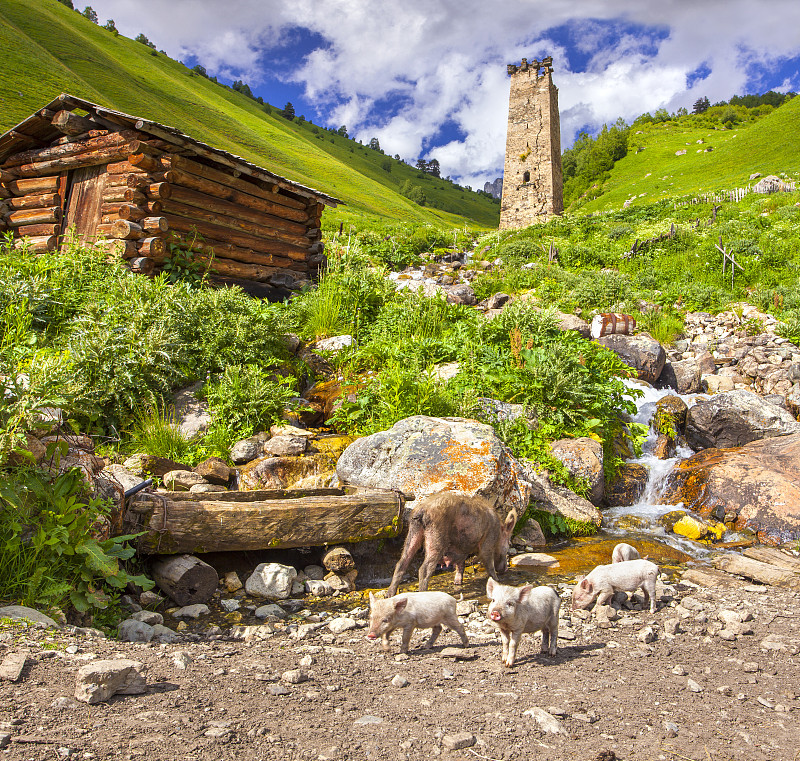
(184, 522)
(139, 186)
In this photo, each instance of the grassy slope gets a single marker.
(769, 146)
(48, 49)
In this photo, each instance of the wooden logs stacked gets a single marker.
(148, 190)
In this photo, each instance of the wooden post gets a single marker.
(185, 578)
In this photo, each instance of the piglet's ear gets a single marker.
(489, 586)
(400, 604)
(524, 592)
(584, 583)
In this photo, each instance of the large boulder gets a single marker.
(583, 458)
(642, 353)
(756, 486)
(422, 455)
(628, 485)
(736, 418)
(684, 376)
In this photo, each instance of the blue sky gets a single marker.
(428, 77)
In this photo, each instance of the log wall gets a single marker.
(138, 193)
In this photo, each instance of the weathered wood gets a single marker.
(230, 268)
(269, 190)
(34, 216)
(108, 219)
(185, 578)
(34, 231)
(225, 250)
(155, 248)
(12, 666)
(5, 193)
(65, 149)
(72, 124)
(210, 203)
(34, 201)
(123, 167)
(131, 212)
(124, 194)
(87, 158)
(262, 229)
(154, 207)
(155, 225)
(159, 190)
(6, 176)
(177, 522)
(194, 193)
(179, 219)
(84, 202)
(775, 557)
(39, 244)
(33, 185)
(120, 249)
(757, 570)
(124, 229)
(145, 162)
(142, 265)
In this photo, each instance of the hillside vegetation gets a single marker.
(49, 49)
(719, 155)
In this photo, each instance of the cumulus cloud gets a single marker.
(403, 71)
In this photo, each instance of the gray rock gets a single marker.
(461, 294)
(734, 419)
(113, 481)
(215, 471)
(150, 598)
(642, 353)
(294, 676)
(546, 721)
(336, 343)
(271, 611)
(192, 414)
(29, 614)
(206, 489)
(271, 581)
(318, 587)
(164, 634)
(684, 376)
(562, 501)
(99, 680)
(694, 686)
(342, 624)
(249, 449)
(148, 617)
(458, 741)
(495, 411)
(399, 681)
(497, 301)
(230, 604)
(192, 611)
(314, 572)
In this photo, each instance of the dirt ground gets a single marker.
(693, 695)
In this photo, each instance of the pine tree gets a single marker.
(288, 111)
(374, 144)
(701, 105)
(111, 27)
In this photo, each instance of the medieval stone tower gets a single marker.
(532, 180)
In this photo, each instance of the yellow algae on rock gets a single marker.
(695, 528)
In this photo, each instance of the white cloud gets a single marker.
(443, 61)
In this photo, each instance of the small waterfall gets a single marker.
(644, 516)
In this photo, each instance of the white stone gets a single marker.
(191, 611)
(271, 581)
(342, 624)
(100, 680)
(546, 721)
(318, 587)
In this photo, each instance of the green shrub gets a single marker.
(156, 432)
(50, 553)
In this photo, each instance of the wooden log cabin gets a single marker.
(135, 186)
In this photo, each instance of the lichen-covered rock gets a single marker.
(628, 486)
(422, 455)
(583, 458)
(642, 353)
(285, 446)
(696, 528)
(685, 376)
(756, 486)
(214, 470)
(182, 480)
(147, 465)
(248, 449)
(562, 501)
(734, 419)
(283, 472)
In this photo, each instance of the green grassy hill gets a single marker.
(49, 49)
(651, 170)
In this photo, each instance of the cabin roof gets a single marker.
(37, 129)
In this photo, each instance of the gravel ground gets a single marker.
(710, 691)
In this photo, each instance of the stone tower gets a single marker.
(532, 181)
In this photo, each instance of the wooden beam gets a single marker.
(175, 522)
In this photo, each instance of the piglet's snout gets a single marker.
(495, 615)
(372, 635)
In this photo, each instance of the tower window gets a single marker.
(526, 176)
